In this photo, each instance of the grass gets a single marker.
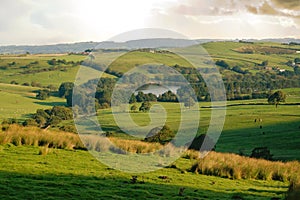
(279, 130)
(18, 136)
(19, 101)
(45, 78)
(238, 167)
(76, 174)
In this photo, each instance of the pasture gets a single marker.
(76, 174)
(19, 101)
(275, 128)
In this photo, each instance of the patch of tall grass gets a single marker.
(101, 144)
(34, 136)
(238, 167)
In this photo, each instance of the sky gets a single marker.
(37, 22)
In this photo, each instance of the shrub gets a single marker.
(43, 94)
(145, 107)
(160, 135)
(30, 122)
(62, 112)
(261, 152)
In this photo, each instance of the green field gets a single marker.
(20, 101)
(76, 174)
(26, 71)
(280, 130)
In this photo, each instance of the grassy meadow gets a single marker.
(76, 174)
(51, 164)
(19, 101)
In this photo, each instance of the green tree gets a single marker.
(276, 98)
(43, 94)
(65, 89)
(145, 107)
(133, 108)
(132, 99)
(222, 63)
(163, 135)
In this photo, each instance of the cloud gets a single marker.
(287, 4)
(231, 7)
(229, 19)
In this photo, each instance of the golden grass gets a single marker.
(238, 167)
(19, 135)
(135, 146)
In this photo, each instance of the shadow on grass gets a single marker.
(282, 138)
(50, 186)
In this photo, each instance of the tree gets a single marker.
(65, 89)
(133, 108)
(223, 64)
(276, 98)
(43, 94)
(162, 135)
(132, 99)
(168, 96)
(145, 107)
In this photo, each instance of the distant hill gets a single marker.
(142, 43)
(79, 47)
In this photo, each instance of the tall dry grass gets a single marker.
(102, 144)
(19, 135)
(238, 167)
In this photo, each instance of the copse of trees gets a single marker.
(238, 86)
(168, 96)
(54, 62)
(49, 117)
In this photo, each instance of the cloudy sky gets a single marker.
(61, 21)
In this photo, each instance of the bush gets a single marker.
(43, 94)
(145, 107)
(30, 122)
(26, 84)
(222, 63)
(160, 135)
(68, 128)
(261, 152)
(62, 112)
(14, 82)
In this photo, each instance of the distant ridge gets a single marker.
(81, 46)
(142, 43)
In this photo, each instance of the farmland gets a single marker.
(56, 169)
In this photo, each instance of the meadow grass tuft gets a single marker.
(33, 136)
(238, 167)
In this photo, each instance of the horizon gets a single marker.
(192, 39)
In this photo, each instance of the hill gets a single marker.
(142, 43)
